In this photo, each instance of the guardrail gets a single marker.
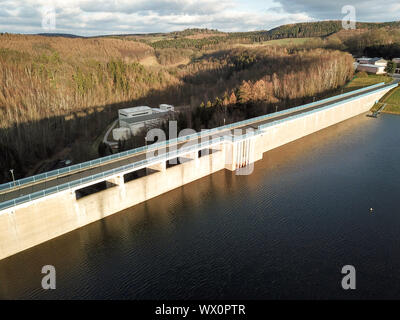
(94, 163)
(261, 127)
(112, 172)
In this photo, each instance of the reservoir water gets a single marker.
(284, 232)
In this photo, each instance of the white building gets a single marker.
(121, 133)
(166, 107)
(129, 113)
(132, 120)
(371, 68)
(372, 61)
(379, 62)
(371, 65)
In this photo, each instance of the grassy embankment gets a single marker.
(392, 100)
(362, 80)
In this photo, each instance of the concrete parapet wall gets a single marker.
(290, 130)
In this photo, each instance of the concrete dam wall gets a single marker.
(31, 223)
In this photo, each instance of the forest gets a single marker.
(207, 39)
(58, 94)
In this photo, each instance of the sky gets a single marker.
(98, 17)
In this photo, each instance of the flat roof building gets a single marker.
(371, 68)
(132, 120)
(134, 112)
(372, 61)
(166, 107)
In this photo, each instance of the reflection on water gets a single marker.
(283, 232)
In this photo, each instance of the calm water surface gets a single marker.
(283, 232)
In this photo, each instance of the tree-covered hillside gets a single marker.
(61, 93)
(200, 39)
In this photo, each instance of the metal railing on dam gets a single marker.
(130, 167)
(300, 111)
(361, 94)
(121, 155)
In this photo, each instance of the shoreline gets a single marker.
(391, 112)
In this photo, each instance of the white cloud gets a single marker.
(94, 17)
(204, 7)
(90, 17)
(366, 10)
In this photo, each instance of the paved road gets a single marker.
(105, 138)
(24, 190)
